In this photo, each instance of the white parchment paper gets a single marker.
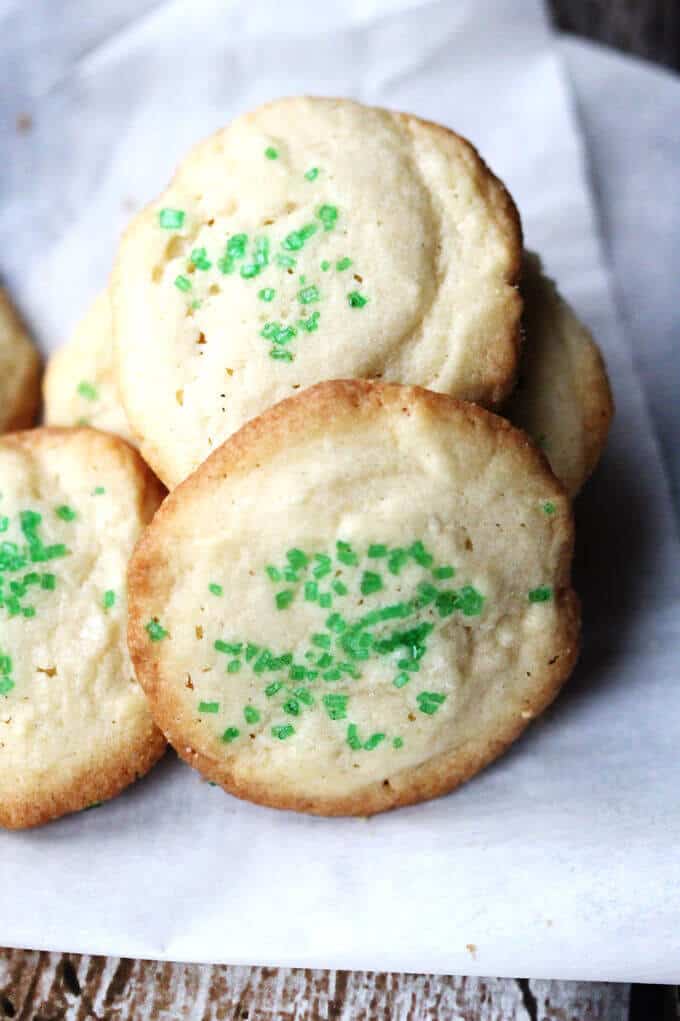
(561, 860)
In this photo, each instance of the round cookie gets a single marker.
(562, 399)
(80, 382)
(19, 370)
(356, 602)
(312, 239)
(75, 727)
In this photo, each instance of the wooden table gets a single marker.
(56, 987)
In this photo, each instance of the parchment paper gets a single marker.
(561, 860)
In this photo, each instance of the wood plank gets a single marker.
(73, 988)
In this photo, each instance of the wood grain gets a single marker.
(55, 987)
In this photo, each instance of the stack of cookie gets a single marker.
(357, 592)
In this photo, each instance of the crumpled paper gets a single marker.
(561, 859)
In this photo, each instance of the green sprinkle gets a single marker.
(336, 623)
(430, 701)
(48, 582)
(325, 265)
(279, 355)
(109, 599)
(233, 648)
(397, 559)
(199, 257)
(398, 742)
(4, 523)
(420, 554)
(266, 294)
(346, 554)
(400, 680)
(251, 714)
(230, 734)
(171, 219)
(65, 513)
(297, 673)
(353, 737)
(377, 550)
(308, 295)
(294, 241)
(440, 573)
(343, 264)
(322, 641)
(6, 685)
(325, 601)
(292, 707)
(285, 261)
(155, 631)
(250, 270)
(311, 323)
(284, 599)
(98, 491)
(335, 706)
(370, 582)
(251, 651)
(447, 602)
(297, 559)
(328, 216)
(271, 153)
(28, 611)
(339, 587)
(272, 688)
(549, 507)
(373, 742)
(216, 589)
(312, 173)
(356, 300)
(182, 283)
(208, 707)
(311, 591)
(324, 661)
(540, 595)
(87, 390)
(470, 601)
(283, 731)
(233, 666)
(273, 572)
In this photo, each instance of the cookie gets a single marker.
(562, 399)
(75, 727)
(80, 382)
(19, 370)
(312, 239)
(358, 601)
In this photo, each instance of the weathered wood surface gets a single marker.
(55, 987)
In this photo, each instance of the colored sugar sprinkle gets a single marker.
(440, 573)
(230, 734)
(208, 707)
(343, 264)
(278, 333)
(285, 261)
(283, 731)
(280, 355)
(155, 631)
(216, 589)
(171, 219)
(66, 513)
(356, 300)
(549, 507)
(98, 491)
(370, 582)
(311, 323)
(328, 216)
(266, 294)
(4, 523)
(325, 265)
(543, 594)
(335, 706)
(294, 241)
(182, 283)
(271, 153)
(199, 257)
(251, 714)
(430, 701)
(87, 390)
(109, 599)
(6, 682)
(307, 295)
(312, 173)
(335, 655)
